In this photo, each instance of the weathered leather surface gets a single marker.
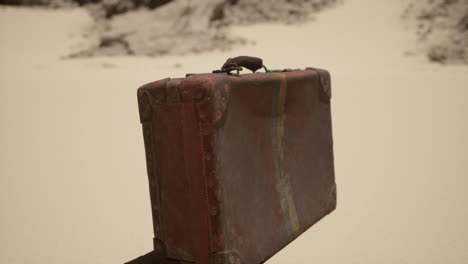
(238, 166)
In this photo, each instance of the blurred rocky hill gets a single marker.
(118, 6)
(185, 26)
(158, 27)
(442, 28)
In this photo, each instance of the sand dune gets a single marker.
(72, 168)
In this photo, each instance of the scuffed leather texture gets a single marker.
(238, 166)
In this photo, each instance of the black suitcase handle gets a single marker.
(236, 63)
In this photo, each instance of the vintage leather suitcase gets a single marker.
(238, 165)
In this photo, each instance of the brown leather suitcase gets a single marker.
(238, 165)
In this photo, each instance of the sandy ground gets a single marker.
(72, 168)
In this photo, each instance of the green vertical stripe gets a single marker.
(283, 185)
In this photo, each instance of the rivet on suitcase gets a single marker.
(238, 165)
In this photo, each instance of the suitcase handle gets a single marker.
(236, 63)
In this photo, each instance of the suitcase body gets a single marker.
(238, 166)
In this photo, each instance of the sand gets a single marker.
(72, 172)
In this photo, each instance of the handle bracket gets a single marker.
(237, 63)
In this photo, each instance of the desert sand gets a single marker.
(72, 167)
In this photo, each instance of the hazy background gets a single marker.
(72, 168)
